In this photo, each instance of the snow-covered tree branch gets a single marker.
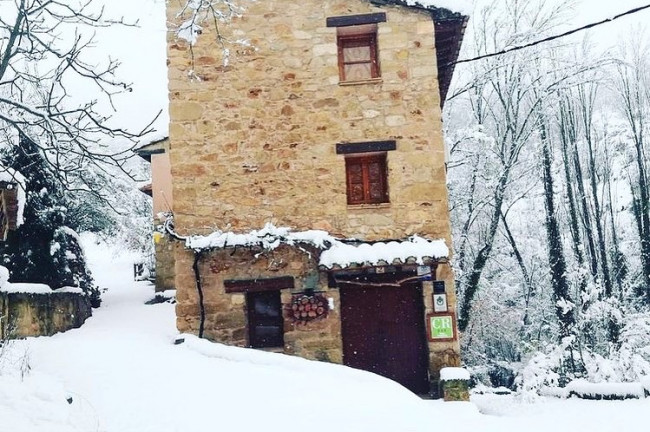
(52, 95)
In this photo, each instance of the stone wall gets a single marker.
(226, 312)
(255, 141)
(29, 314)
(165, 277)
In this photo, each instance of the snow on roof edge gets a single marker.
(380, 253)
(269, 237)
(336, 252)
(461, 6)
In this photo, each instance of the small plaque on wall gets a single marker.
(441, 327)
(425, 272)
(440, 302)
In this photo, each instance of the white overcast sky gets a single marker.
(142, 49)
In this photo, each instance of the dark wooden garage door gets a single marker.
(383, 332)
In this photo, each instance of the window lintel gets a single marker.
(352, 20)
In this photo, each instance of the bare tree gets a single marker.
(42, 47)
(633, 87)
(587, 93)
(509, 82)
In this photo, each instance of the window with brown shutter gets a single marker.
(357, 48)
(367, 179)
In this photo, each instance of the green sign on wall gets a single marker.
(441, 326)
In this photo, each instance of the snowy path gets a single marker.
(125, 374)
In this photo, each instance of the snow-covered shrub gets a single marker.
(44, 249)
(70, 263)
(494, 375)
(628, 362)
(542, 370)
(633, 357)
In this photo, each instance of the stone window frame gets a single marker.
(364, 38)
(365, 161)
(358, 31)
(261, 287)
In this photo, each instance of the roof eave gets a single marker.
(449, 33)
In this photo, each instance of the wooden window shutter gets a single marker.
(367, 181)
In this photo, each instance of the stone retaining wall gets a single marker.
(28, 314)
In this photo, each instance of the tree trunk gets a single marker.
(567, 135)
(586, 111)
(557, 262)
(585, 212)
(464, 234)
(482, 257)
(619, 265)
(527, 279)
(644, 210)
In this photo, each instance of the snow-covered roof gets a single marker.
(461, 6)
(337, 253)
(440, 8)
(269, 237)
(415, 250)
(153, 145)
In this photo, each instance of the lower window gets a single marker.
(367, 181)
(265, 322)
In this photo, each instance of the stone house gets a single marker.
(156, 152)
(309, 183)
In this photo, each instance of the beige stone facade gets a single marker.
(255, 142)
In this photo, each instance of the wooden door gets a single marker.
(383, 332)
(265, 322)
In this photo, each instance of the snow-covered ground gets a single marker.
(124, 373)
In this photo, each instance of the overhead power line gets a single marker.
(550, 38)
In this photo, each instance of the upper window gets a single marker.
(367, 179)
(265, 322)
(357, 48)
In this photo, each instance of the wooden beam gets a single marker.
(365, 147)
(256, 285)
(350, 20)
